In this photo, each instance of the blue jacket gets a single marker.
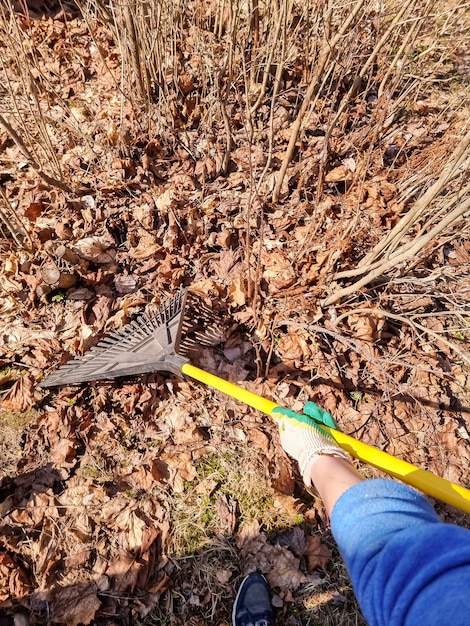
(407, 567)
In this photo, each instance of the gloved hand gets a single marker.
(304, 440)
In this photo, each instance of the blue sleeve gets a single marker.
(407, 567)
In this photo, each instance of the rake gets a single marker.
(153, 343)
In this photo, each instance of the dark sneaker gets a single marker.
(252, 605)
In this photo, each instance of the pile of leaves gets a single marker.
(122, 501)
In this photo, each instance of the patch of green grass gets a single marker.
(240, 477)
(356, 396)
(96, 472)
(12, 425)
(59, 297)
(17, 419)
(236, 477)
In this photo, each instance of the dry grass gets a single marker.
(12, 424)
(205, 560)
(239, 478)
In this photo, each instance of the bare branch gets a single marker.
(19, 142)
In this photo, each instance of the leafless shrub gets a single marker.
(28, 104)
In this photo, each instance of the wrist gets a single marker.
(306, 464)
(332, 477)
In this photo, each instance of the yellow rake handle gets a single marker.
(421, 479)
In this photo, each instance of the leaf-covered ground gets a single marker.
(144, 500)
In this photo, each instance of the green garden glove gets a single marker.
(305, 441)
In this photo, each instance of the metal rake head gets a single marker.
(148, 344)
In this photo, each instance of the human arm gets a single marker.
(332, 477)
(406, 566)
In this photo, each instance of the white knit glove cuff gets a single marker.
(308, 460)
(305, 441)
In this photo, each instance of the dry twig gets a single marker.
(19, 142)
(327, 52)
(406, 320)
(405, 253)
(354, 345)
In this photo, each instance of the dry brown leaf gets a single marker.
(279, 565)
(226, 509)
(246, 533)
(294, 539)
(147, 247)
(223, 576)
(339, 174)
(126, 283)
(63, 452)
(206, 289)
(45, 552)
(165, 200)
(160, 471)
(121, 566)
(317, 554)
(259, 440)
(366, 327)
(95, 249)
(283, 482)
(34, 210)
(9, 285)
(294, 347)
(140, 478)
(78, 560)
(388, 190)
(14, 582)
(41, 505)
(183, 181)
(225, 264)
(224, 238)
(181, 469)
(237, 292)
(278, 271)
(76, 605)
(172, 232)
(21, 396)
(145, 214)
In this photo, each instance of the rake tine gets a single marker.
(145, 344)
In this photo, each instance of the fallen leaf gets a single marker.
(294, 347)
(278, 271)
(226, 509)
(165, 200)
(246, 533)
(126, 283)
(317, 554)
(237, 292)
(95, 249)
(227, 260)
(79, 560)
(339, 174)
(63, 452)
(147, 247)
(75, 605)
(279, 565)
(34, 210)
(259, 440)
(366, 327)
(294, 539)
(14, 582)
(21, 396)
